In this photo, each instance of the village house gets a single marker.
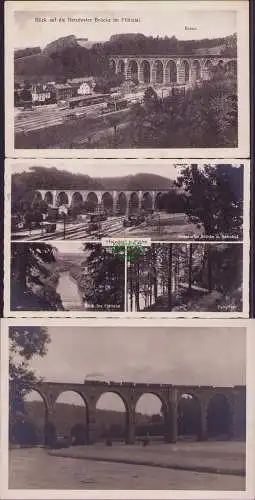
(84, 85)
(64, 91)
(41, 93)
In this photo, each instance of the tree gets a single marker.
(102, 282)
(205, 117)
(33, 281)
(25, 343)
(212, 197)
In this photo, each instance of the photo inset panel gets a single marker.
(92, 408)
(130, 84)
(66, 277)
(161, 200)
(181, 277)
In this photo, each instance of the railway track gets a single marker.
(108, 228)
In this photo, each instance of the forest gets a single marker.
(207, 116)
(186, 277)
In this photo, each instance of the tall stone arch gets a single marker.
(145, 71)
(171, 71)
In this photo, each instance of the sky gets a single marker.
(184, 356)
(109, 169)
(207, 24)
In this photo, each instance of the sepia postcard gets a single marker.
(124, 79)
(158, 238)
(92, 413)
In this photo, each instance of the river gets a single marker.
(69, 293)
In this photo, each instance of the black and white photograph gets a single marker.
(169, 278)
(175, 277)
(66, 277)
(128, 77)
(163, 200)
(91, 409)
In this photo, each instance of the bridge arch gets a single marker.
(113, 427)
(92, 200)
(157, 200)
(62, 198)
(75, 425)
(48, 198)
(112, 65)
(27, 426)
(158, 70)
(37, 197)
(147, 201)
(120, 67)
(134, 203)
(171, 72)
(132, 69)
(219, 416)
(145, 70)
(208, 69)
(77, 198)
(107, 201)
(121, 204)
(189, 415)
(151, 410)
(184, 71)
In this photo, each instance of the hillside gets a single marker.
(25, 183)
(69, 57)
(67, 415)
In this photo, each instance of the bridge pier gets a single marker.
(130, 426)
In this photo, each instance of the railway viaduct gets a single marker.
(113, 201)
(232, 402)
(169, 70)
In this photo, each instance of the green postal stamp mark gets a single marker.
(133, 251)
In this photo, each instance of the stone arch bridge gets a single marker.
(112, 201)
(169, 70)
(232, 400)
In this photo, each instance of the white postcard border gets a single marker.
(243, 149)
(27, 494)
(114, 314)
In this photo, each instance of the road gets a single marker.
(35, 469)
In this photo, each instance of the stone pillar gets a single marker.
(238, 413)
(140, 198)
(125, 69)
(128, 200)
(153, 197)
(166, 77)
(99, 198)
(114, 206)
(173, 417)
(179, 71)
(91, 424)
(140, 72)
(152, 72)
(54, 198)
(203, 429)
(130, 426)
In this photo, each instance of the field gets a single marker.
(157, 466)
